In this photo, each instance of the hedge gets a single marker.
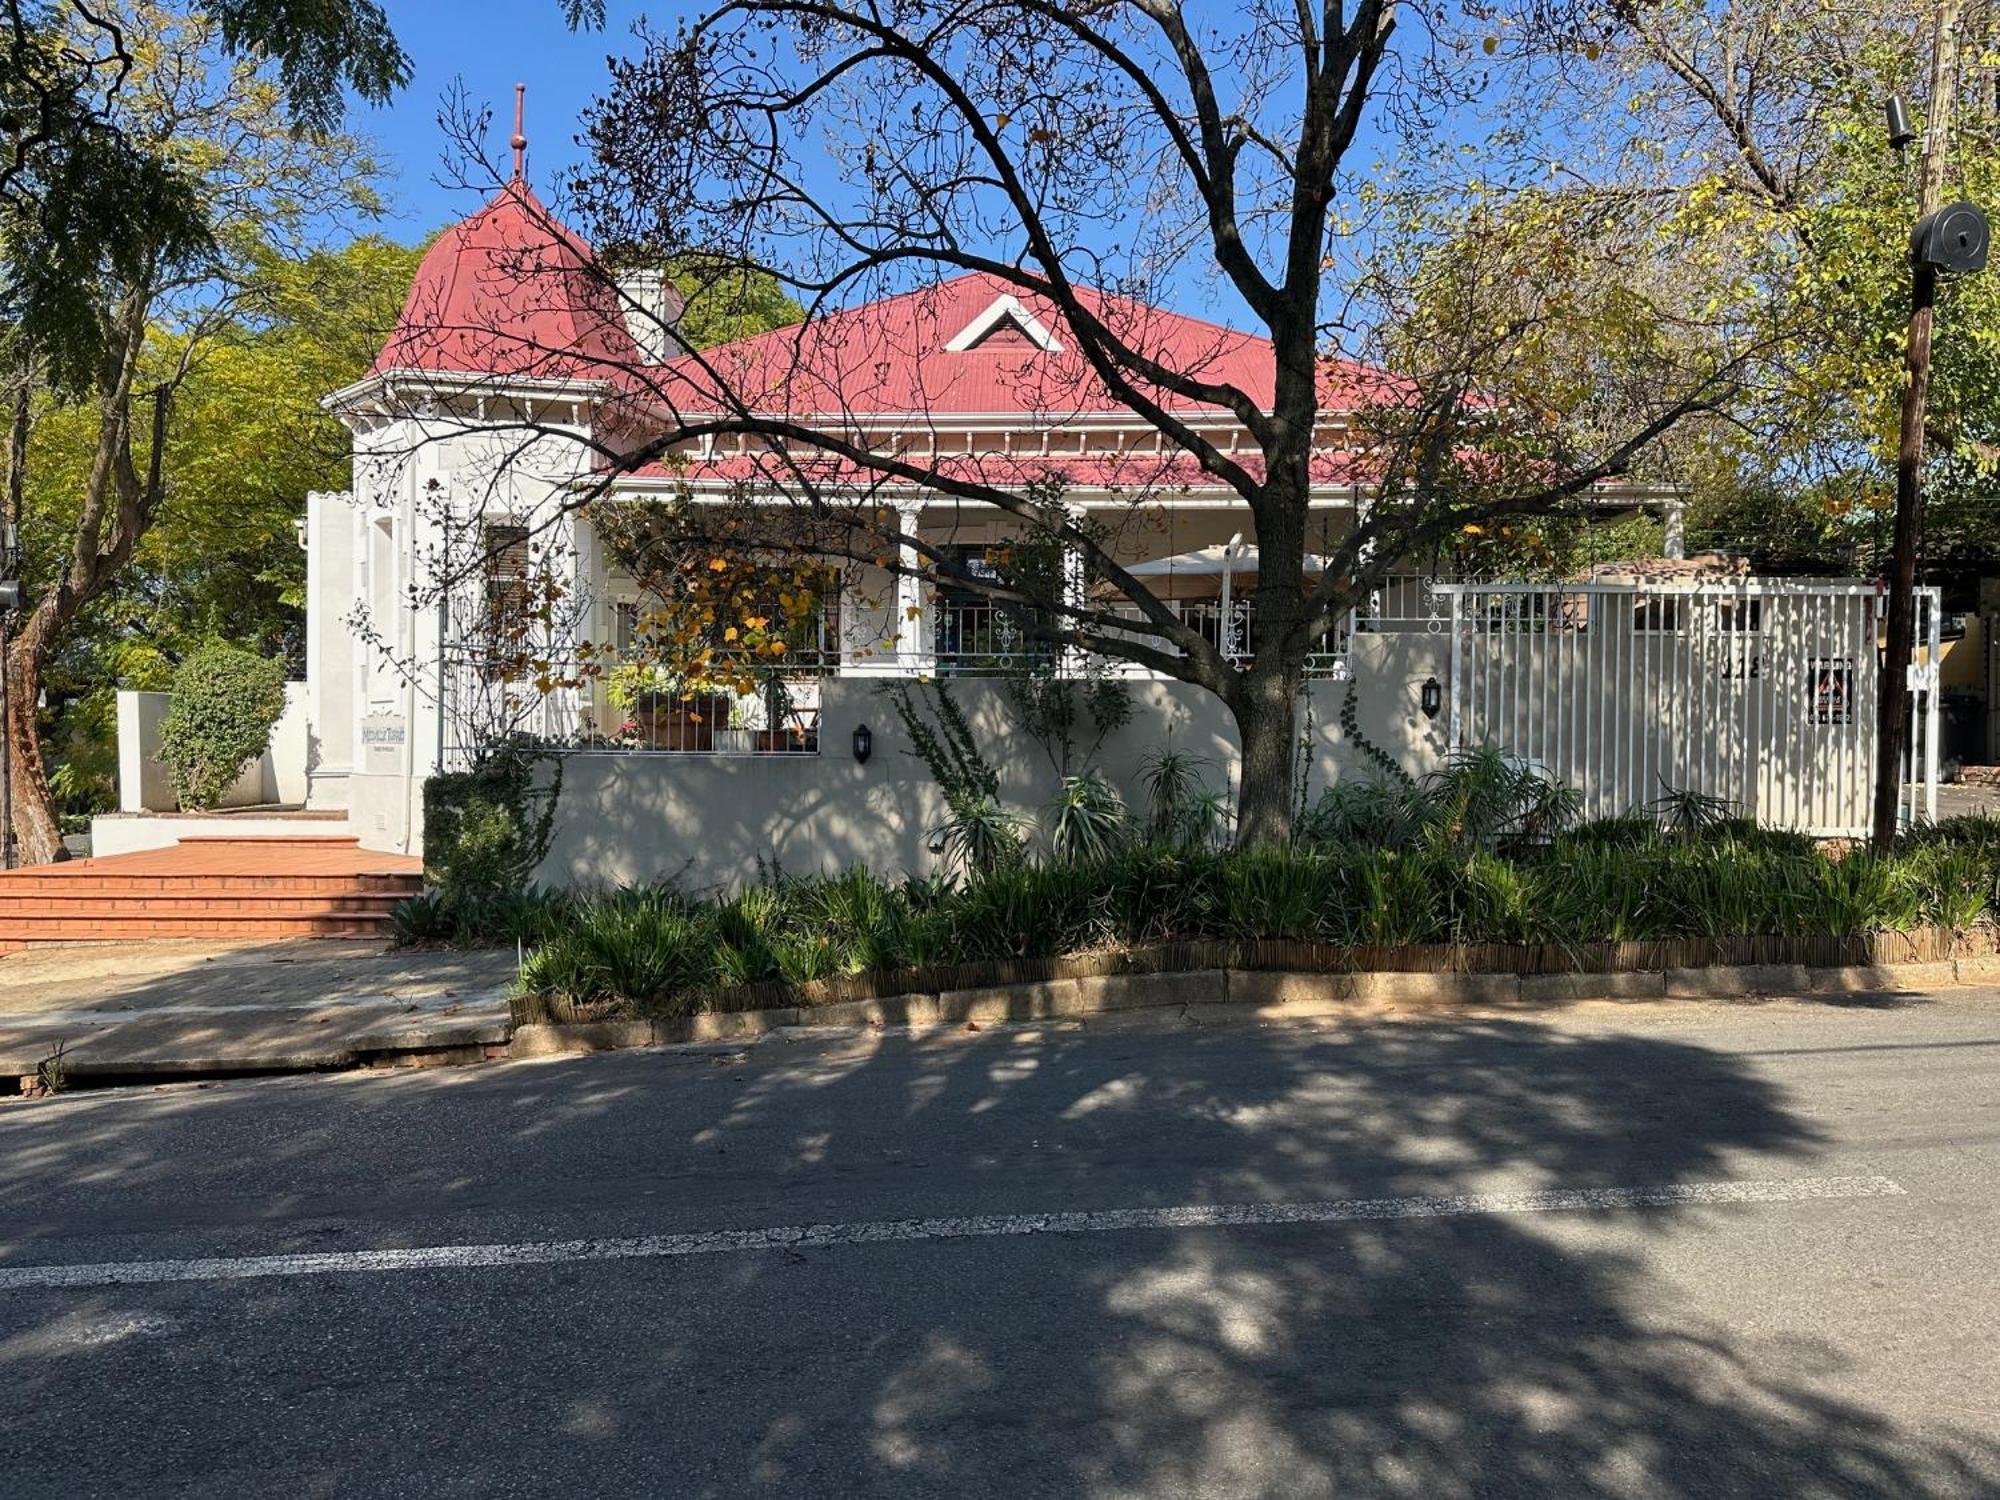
(224, 704)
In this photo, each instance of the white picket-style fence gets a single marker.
(1761, 692)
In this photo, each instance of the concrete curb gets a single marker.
(137, 1056)
(1256, 994)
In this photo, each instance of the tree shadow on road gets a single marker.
(1473, 1356)
(1470, 1356)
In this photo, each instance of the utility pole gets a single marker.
(1892, 696)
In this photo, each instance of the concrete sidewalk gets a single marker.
(166, 1008)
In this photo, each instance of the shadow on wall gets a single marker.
(1449, 1357)
(709, 819)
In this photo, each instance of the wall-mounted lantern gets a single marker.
(1431, 697)
(864, 744)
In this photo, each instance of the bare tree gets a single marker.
(1097, 161)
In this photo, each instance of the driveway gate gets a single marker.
(1758, 691)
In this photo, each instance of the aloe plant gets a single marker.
(1086, 818)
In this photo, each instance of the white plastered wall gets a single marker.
(627, 817)
(425, 487)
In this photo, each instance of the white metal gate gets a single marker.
(1761, 692)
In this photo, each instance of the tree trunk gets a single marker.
(1266, 710)
(118, 503)
(37, 825)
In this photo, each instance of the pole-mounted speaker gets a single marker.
(1952, 239)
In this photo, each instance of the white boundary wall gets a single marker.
(630, 817)
(279, 775)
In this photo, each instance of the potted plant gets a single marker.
(739, 735)
(682, 716)
(665, 710)
(779, 731)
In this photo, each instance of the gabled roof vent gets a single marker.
(1004, 323)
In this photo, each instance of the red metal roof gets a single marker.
(890, 357)
(511, 292)
(1146, 473)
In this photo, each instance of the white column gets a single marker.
(914, 649)
(330, 646)
(1075, 595)
(1674, 513)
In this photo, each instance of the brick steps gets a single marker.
(90, 887)
(210, 888)
(23, 932)
(247, 907)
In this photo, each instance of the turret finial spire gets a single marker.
(520, 140)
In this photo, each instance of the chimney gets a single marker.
(652, 308)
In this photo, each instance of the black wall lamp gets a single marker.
(864, 744)
(1431, 697)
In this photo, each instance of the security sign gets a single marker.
(1832, 690)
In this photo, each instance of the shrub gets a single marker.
(480, 919)
(225, 701)
(425, 920)
(1181, 808)
(1362, 810)
(648, 947)
(1479, 798)
(1274, 894)
(981, 836)
(1086, 818)
(663, 951)
(486, 829)
(1164, 893)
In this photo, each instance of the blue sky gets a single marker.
(489, 45)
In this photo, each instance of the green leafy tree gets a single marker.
(91, 470)
(81, 186)
(1755, 132)
(729, 302)
(221, 560)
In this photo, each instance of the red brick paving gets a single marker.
(210, 886)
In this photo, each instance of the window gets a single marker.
(1657, 614)
(1739, 619)
(505, 566)
(624, 626)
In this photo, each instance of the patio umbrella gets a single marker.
(1225, 562)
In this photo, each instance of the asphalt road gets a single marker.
(1637, 1251)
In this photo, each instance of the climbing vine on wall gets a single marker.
(1382, 760)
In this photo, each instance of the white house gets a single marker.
(518, 367)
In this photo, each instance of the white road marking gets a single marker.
(903, 1231)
